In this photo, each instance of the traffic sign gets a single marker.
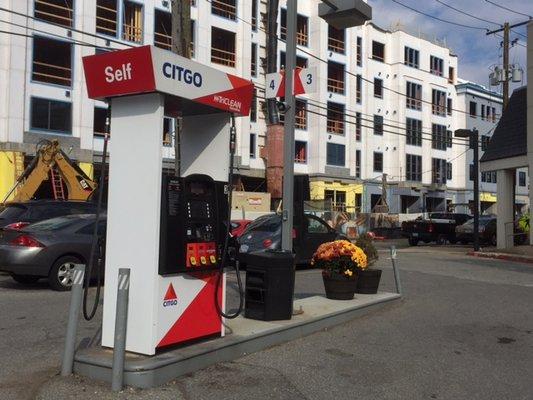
(305, 81)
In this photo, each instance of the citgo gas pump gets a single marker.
(169, 231)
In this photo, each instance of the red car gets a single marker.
(238, 226)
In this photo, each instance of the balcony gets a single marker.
(336, 40)
(224, 8)
(52, 61)
(301, 114)
(335, 77)
(106, 17)
(335, 118)
(132, 27)
(59, 12)
(223, 47)
(302, 28)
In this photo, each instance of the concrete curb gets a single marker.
(502, 256)
(146, 372)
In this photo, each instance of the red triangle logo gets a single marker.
(171, 294)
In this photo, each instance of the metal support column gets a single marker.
(121, 321)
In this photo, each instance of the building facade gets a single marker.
(386, 102)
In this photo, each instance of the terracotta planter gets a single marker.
(339, 287)
(368, 281)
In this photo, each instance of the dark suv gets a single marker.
(17, 215)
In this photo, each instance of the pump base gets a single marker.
(248, 336)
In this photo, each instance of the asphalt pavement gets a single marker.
(463, 331)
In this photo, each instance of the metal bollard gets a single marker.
(73, 318)
(393, 255)
(121, 320)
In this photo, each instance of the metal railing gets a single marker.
(335, 126)
(335, 85)
(51, 73)
(336, 45)
(224, 57)
(132, 33)
(224, 9)
(103, 17)
(413, 103)
(57, 12)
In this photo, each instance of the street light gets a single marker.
(341, 14)
(473, 136)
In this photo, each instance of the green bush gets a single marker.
(366, 243)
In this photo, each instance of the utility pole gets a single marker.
(475, 139)
(506, 29)
(181, 44)
(288, 142)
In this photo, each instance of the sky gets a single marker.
(476, 51)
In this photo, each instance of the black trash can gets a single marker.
(269, 285)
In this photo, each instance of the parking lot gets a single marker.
(463, 330)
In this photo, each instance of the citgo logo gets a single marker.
(170, 297)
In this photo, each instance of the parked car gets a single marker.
(17, 215)
(487, 231)
(238, 226)
(439, 228)
(265, 233)
(49, 248)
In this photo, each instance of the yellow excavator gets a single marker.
(51, 161)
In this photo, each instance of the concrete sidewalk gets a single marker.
(522, 254)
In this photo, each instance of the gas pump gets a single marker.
(170, 231)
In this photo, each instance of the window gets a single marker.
(451, 75)
(449, 139)
(302, 28)
(488, 114)
(316, 226)
(163, 29)
(106, 17)
(438, 102)
(439, 171)
(224, 8)
(253, 65)
(413, 96)
(449, 171)
(471, 172)
(253, 108)
(484, 142)
(521, 178)
(483, 115)
(357, 163)
(51, 115)
(300, 61)
(254, 15)
(413, 131)
(132, 25)
(358, 128)
(52, 61)
(411, 57)
(359, 89)
(413, 168)
(378, 162)
(300, 110)
(436, 65)
(378, 88)
(335, 154)
(473, 109)
(378, 51)
(100, 116)
(359, 51)
(56, 11)
(168, 128)
(335, 77)
(449, 106)
(438, 137)
(378, 125)
(253, 145)
(335, 39)
(222, 47)
(493, 114)
(300, 152)
(335, 118)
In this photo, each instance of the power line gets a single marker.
(467, 14)
(508, 9)
(437, 18)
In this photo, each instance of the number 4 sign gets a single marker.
(304, 82)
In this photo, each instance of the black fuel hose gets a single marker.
(88, 315)
(224, 260)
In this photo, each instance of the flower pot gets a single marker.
(339, 287)
(368, 281)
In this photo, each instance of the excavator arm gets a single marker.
(48, 155)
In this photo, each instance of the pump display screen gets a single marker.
(199, 189)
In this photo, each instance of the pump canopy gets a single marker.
(193, 88)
